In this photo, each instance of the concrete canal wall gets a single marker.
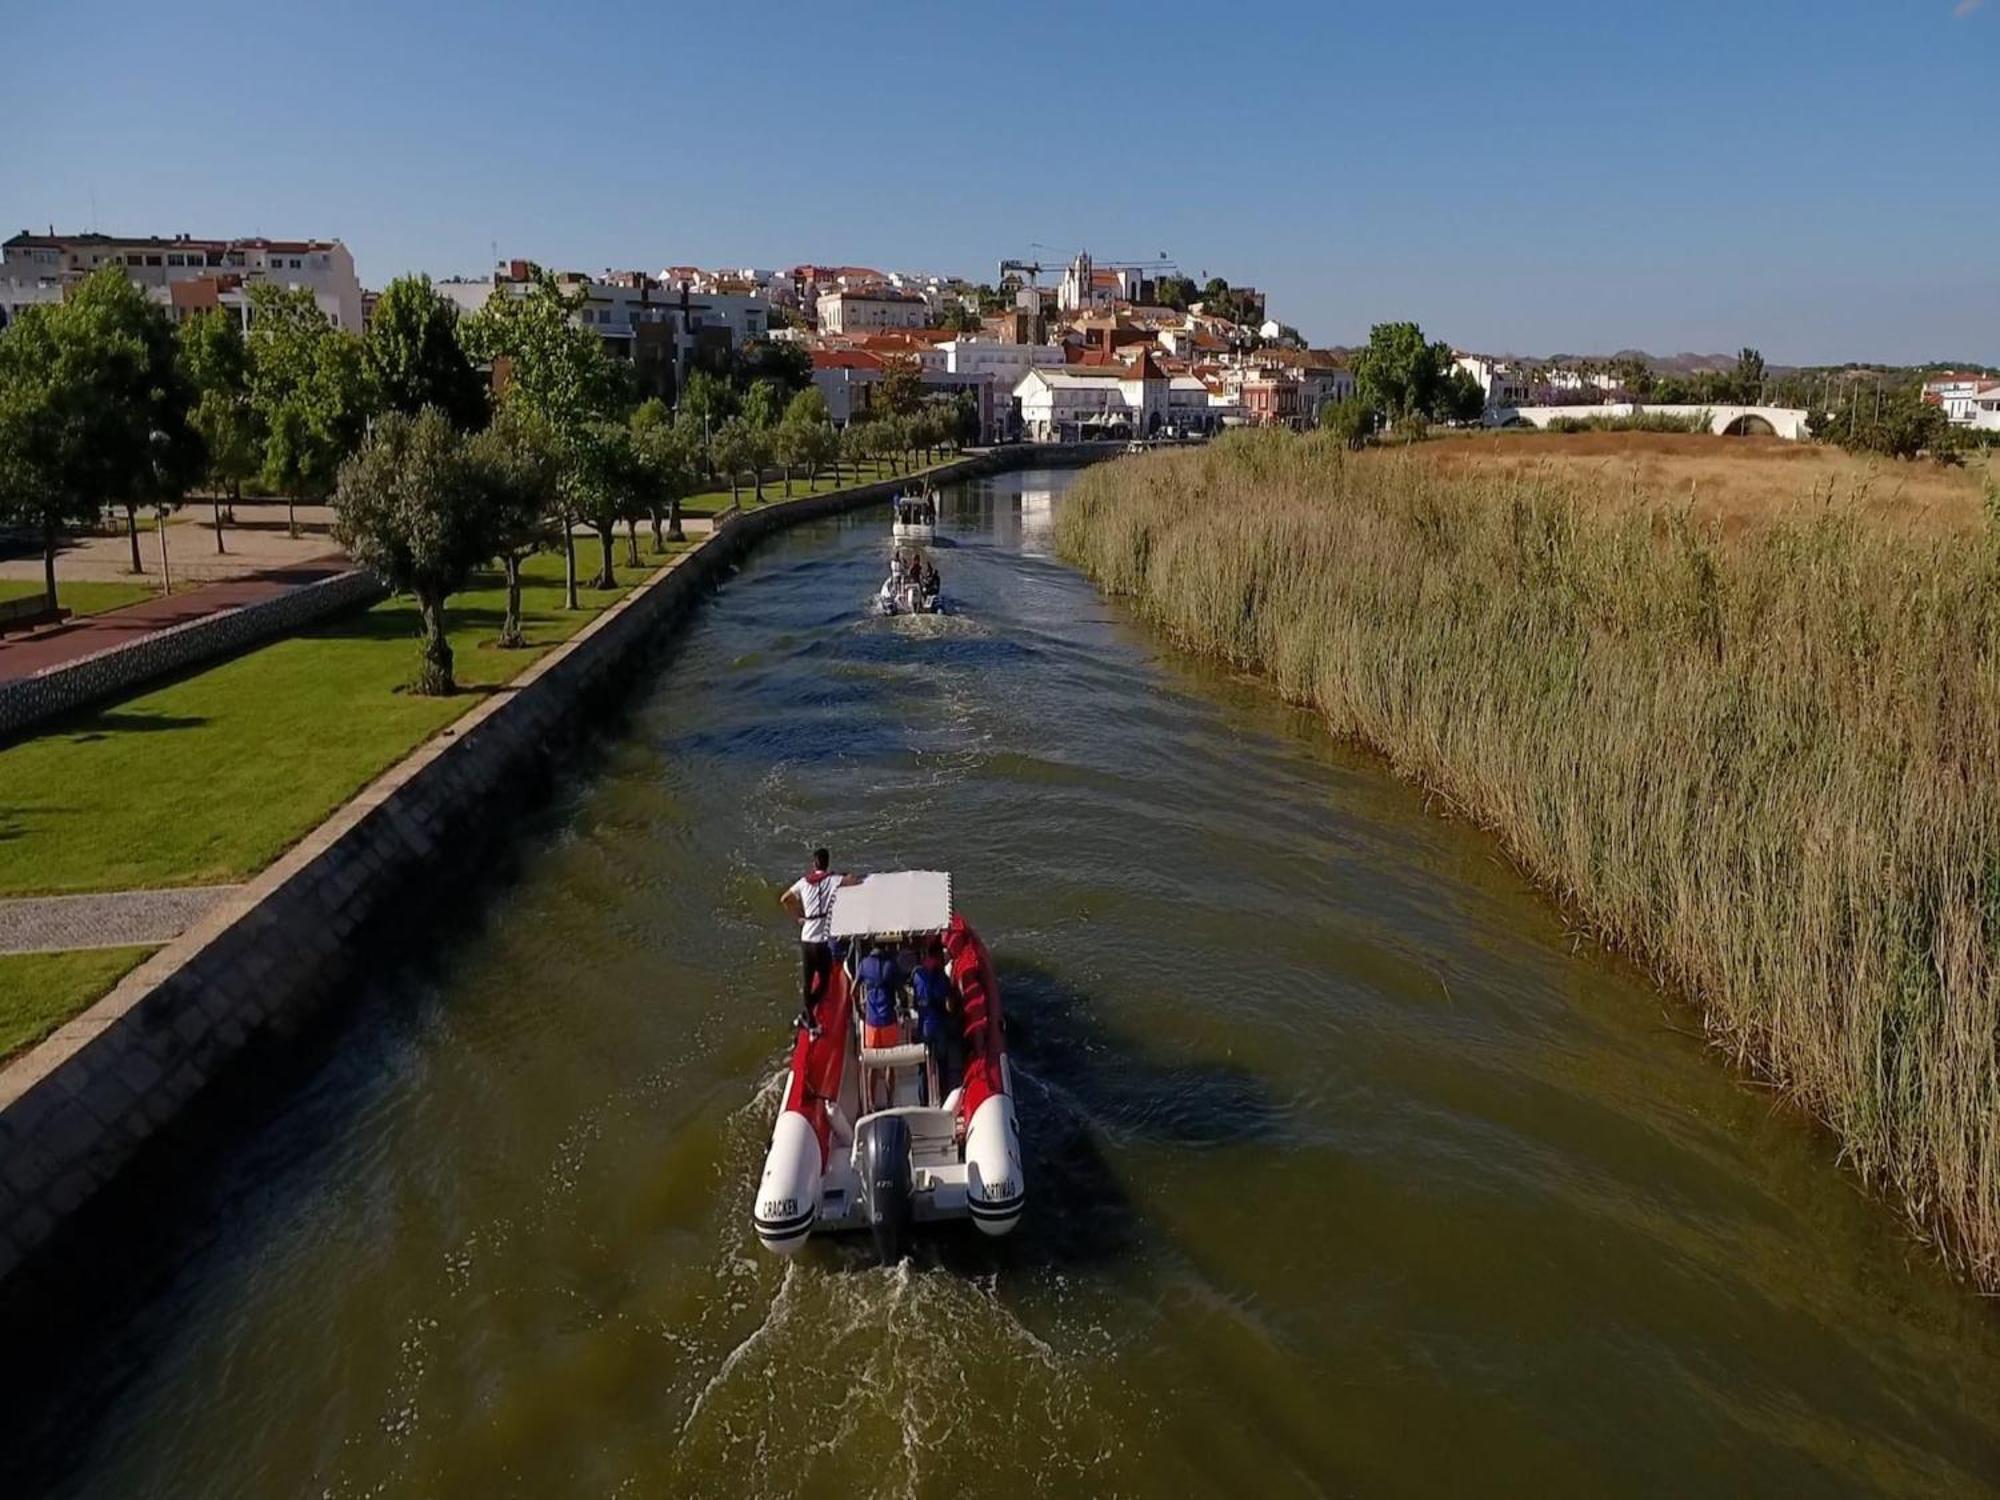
(76, 1110)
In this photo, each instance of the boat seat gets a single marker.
(909, 1055)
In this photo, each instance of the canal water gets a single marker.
(1350, 1170)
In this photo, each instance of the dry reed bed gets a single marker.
(1769, 768)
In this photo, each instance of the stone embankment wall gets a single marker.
(116, 670)
(75, 1110)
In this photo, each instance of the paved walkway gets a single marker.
(115, 919)
(257, 540)
(25, 655)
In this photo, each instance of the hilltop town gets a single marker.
(1043, 353)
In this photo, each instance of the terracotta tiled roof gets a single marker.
(845, 359)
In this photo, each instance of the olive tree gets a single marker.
(409, 505)
(517, 466)
(664, 454)
(603, 476)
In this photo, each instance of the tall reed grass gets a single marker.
(1770, 768)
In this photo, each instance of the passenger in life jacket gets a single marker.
(930, 989)
(879, 1025)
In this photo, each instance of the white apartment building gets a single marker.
(1006, 363)
(623, 307)
(870, 310)
(1075, 402)
(183, 272)
(1968, 400)
(1503, 383)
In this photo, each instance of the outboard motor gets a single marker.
(885, 1184)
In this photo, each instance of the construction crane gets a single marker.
(1034, 269)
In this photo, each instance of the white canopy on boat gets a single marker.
(896, 901)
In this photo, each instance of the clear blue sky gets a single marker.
(1818, 179)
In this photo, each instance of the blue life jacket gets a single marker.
(878, 989)
(933, 991)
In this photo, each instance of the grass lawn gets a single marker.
(713, 502)
(40, 991)
(210, 777)
(81, 598)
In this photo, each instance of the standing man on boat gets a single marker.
(810, 901)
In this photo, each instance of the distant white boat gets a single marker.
(916, 519)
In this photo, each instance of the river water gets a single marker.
(1350, 1171)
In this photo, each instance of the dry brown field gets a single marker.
(1736, 482)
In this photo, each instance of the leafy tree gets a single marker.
(809, 408)
(823, 449)
(1176, 292)
(792, 443)
(1398, 373)
(549, 365)
(1896, 424)
(732, 450)
(1634, 376)
(604, 479)
(757, 455)
(965, 419)
(709, 400)
(1460, 398)
(857, 445)
(901, 388)
(764, 404)
(517, 465)
(785, 363)
(960, 318)
(217, 361)
(410, 506)
(1749, 380)
(1412, 381)
(94, 406)
(1351, 421)
(416, 357)
(663, 451)
(312, 391)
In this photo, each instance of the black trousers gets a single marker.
(815, 972)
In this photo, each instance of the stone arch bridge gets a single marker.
(1787, 422)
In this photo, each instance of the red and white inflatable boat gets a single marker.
(878, 1137)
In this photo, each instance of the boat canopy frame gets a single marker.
(893, 902)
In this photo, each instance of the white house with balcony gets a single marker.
(1968, 400)
(871, 310)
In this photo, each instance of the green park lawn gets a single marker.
(209, 778)
(80, 598)
(40, 991)
(713, 502)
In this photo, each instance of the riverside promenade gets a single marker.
(35, 652)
